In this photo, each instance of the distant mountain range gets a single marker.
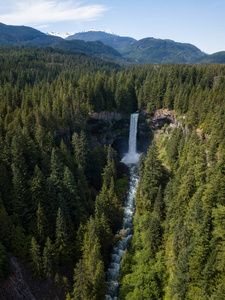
(110, 46)
(106, 38)
(62, 35)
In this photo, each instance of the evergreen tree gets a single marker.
(41, 223)
(82, 286)
(35, 254)
(71, 195)
(48, 258)
(61, 234)
(57, 170)
(153, 176)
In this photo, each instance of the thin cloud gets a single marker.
(42, 12)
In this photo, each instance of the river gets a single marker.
(131, 160)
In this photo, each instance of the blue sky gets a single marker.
(198, 22)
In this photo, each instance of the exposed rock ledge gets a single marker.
(163, 116)
(106, 116)
(107, 126)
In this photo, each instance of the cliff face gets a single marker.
(106, 127)
(23, 285)
(162, 117)
(113, 128)
(107, 116)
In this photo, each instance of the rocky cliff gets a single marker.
(113, 128)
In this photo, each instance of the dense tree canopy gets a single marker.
(60, 204)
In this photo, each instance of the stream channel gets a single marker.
(131, 160)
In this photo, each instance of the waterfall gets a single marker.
(133, 133)
(132, 156)
(130, 159)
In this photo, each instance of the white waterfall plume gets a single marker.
(132, 156)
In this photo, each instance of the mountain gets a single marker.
(62, 35)
(24, 36)
(156, 51)
(148, 50)
(215, 58)
(109, 46)
(27, 36)
(93, 48)
(106, 38)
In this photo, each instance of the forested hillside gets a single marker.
(177, 251)
(23, 35)
(61, 193)
(51, 172)
(157, 51)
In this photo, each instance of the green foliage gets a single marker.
(121, 187)
(61, 232)
(156, 51)
(48, 258)
(152, 176)
(89, 275)
(41, 222)
(183, 219)
(36, 259)
(56, 184)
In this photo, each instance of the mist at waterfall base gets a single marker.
(131, 160)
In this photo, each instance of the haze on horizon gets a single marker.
(200, 22)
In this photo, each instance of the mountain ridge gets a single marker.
(152, 50)
(11, 35)
(106, 38)
(146, 50)
(27, 36)
(107, 45)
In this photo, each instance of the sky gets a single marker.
(199, 22)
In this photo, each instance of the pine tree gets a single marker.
(107, 203)
(35, 254)
(80, 152)
(66, 156)
(82, 286)
(159, 205)
(153, 176)
(110, 168)
(61, 234)
(48, 258)
(80, 149)
(41, 223)
(37, 187)
(89, 275)
(71, 195)
(57, 170)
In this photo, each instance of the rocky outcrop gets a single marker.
(23, 285)
(106, 116)
(106, 127)
(165, 116)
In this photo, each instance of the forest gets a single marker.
(61, 194)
